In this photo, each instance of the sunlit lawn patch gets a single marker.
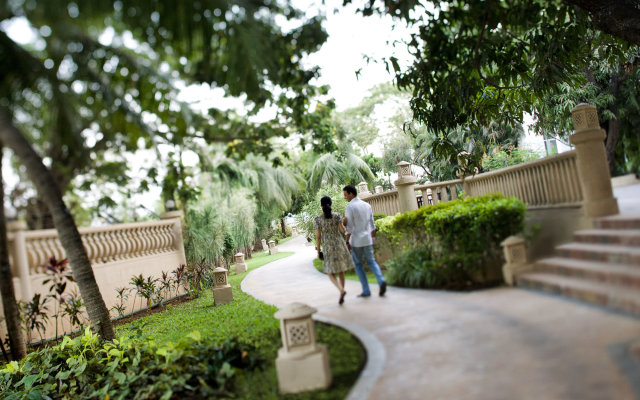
(251, 322)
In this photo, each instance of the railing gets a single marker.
(434, 193)
(116, 253)
(103, 244)
(547, 182)
(385, 203)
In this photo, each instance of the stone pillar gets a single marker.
(593, 170)
(379, 189)
(515, 255)
(363, 190)
(302, 364)
(178, 243)
(222, 293)
(21, 262)
(241, 266)
(264, 245)
(273, 249)
(406, 187)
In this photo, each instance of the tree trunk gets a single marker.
(66, 226)
(611, 142)
(11, 313)
(284, 232)
(620, 18)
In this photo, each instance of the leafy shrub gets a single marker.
(311, 209)
(459, 239)
(377, 216)
(508, 157)
(420, 268)
(84, 368)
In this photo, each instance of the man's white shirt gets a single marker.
(359, 223)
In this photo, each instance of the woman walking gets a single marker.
(330, 238)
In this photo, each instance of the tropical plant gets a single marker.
(58, 275)
(122, 295)
(35, 315)
(73, 308)
(84, 367)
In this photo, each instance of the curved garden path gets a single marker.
(493, 344)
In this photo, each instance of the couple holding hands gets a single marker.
(360, 233)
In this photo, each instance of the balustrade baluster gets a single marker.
(541, 185)
(570, 173)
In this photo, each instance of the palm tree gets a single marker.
(64, 223)
(341, 167)
(9, 305)
(100, 84)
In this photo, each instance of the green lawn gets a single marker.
(251, 322)
(350, 274)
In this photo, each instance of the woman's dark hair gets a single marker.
(325, 202)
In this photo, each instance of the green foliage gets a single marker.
(86, 368)
(508, 157)
(251, 323)
(421, 268)
(377, 216)
(493, 61)
(311, 209)
(459, 238)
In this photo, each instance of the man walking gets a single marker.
(361, 231)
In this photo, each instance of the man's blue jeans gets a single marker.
(366, 252)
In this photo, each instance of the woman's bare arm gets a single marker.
(318, 239)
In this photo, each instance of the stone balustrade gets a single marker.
(385, 202)
(547, 182)
(103, 244)
(434, 193)
(116, 253)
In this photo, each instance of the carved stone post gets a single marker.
(264, 245)
(222, 293)
(20, 259)
(241, 266)
(273, 249)
(379, 189)
(363, 190)
(593, 170)
(302, 364)
(515, 255)
(406, 187)
(178, 243)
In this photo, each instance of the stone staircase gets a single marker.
(601, 266)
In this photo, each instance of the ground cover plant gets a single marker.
(453, 245)
(192, 350)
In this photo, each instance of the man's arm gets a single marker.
(372, 223)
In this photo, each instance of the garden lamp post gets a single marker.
(222, 293)
(241, 266)
(273, 249)
(302, 364)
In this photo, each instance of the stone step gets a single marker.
(622, 221)
(610, 253)
(615, 274)
(626, 237)
(607, 295)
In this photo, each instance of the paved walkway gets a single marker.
(496, 344)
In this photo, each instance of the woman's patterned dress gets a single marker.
(334, 248)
